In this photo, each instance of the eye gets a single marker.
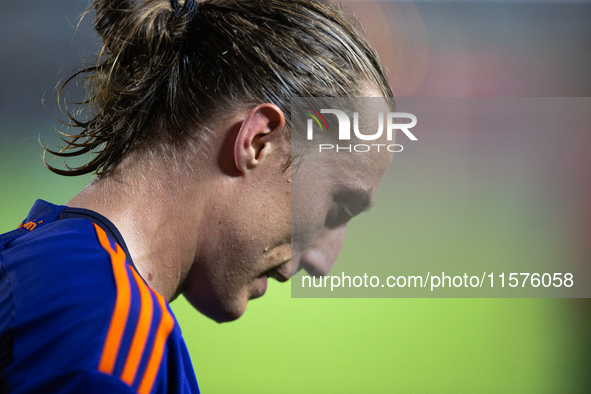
(338, 215)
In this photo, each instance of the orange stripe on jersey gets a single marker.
(141, 332)
(164, 329)
(122, 304)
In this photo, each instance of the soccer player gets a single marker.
(188, 113)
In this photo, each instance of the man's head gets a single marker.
(262, 220)
(209, 95)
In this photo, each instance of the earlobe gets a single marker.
(260, 133)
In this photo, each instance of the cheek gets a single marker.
(307, 224)
(319, 258)
(216, 284)
(220, 282)
(237, 246)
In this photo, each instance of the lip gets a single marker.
(281, 272)
(259, 288)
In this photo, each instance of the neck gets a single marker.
(152, 215)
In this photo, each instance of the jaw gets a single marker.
(219, 309)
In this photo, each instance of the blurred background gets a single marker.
(431, 49)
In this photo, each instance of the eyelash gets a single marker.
(339, 211)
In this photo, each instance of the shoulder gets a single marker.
(79, 305)
(63, 260)
(63, 292)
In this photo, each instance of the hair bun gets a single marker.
(191, 7)
(131, 28)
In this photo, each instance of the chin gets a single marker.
(225, 316)
(220, 312)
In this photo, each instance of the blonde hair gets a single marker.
(161, 72)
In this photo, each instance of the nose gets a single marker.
(319, 258)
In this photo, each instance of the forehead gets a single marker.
(357, 170)
(343, 172)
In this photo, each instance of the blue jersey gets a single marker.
(75, 315)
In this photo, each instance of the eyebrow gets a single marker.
(358, 195)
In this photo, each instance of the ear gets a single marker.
(261, 132)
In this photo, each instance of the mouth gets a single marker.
(280, 273)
